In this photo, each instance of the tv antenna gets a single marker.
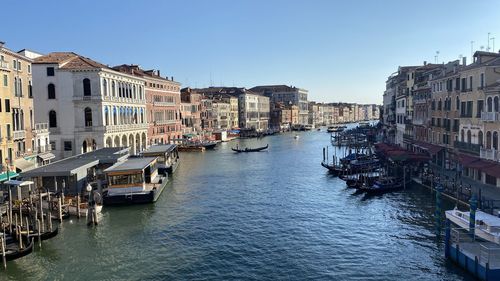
(472, 49)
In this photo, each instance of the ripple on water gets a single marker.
(274, 215)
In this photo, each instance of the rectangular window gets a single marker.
(52, 145)
(7, 105)
(457, 84)
(464, 84)
(14, 64)
(480, 105)
(29, 68)
(482, 80)
(470, 83)
(462, 109)
(68, 146)
(470, 107)
(50, 71)
(19, 66)
(5, 80)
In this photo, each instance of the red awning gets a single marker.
(480, 164)
(431, 148)
(492, 170)
(466, 160)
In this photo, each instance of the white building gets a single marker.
(88, 105)
(289, 96)
(253, 111)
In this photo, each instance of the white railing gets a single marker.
(163, 103)
(122, 99)
(489, 116)
(42, 149)
(41, 128)
(21, 134)
(489, 154)
(122, 128)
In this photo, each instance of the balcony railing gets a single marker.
(41, 128)
(468, 147)
(18, 135)
(42, 148)
(489, 116)
(489, 154)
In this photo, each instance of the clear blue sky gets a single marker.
(338, 50)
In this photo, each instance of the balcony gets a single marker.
(489, 116)
(19, 135)
(42, 148)
(4, 65)
(161, 103)
(87, 98)
(41, 128)
(489, 154)
(467, 147)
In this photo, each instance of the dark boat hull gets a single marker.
(134, 198)
(250, 149)
(19, 253)
(338, 171)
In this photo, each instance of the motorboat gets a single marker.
(486, 227)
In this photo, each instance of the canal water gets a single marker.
(274, 215)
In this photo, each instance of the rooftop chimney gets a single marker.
(172, 78)
(425, 63)
(464, 61)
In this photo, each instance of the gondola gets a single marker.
(338, 170)
(250, 149)
(13, 252)
(384, 185)
(43, 235)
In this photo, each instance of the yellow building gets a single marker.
(16, 109)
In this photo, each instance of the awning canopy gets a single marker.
(46, 156)
(492, 170)
(4, 176)
(431, 148)
(467, 160)
(23, 164)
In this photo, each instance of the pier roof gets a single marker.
(79, 163)
(163, 148)
(131, 164)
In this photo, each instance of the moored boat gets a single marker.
(486, 226)
(383, 185)
(168, 157)
(14, 251)
(134, 181)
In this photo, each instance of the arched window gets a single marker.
(480, 138)
(488, 140)
(133, 92)
(113, 89)
(140, 92)
(52, 119)
(488, 102)
(469, 136)
(106, 115)
(51, 90)
(458, 103)
(105, 87)
(115, 117)
(86, 87)
(88, 117)
(495, 140)
(495, 104)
